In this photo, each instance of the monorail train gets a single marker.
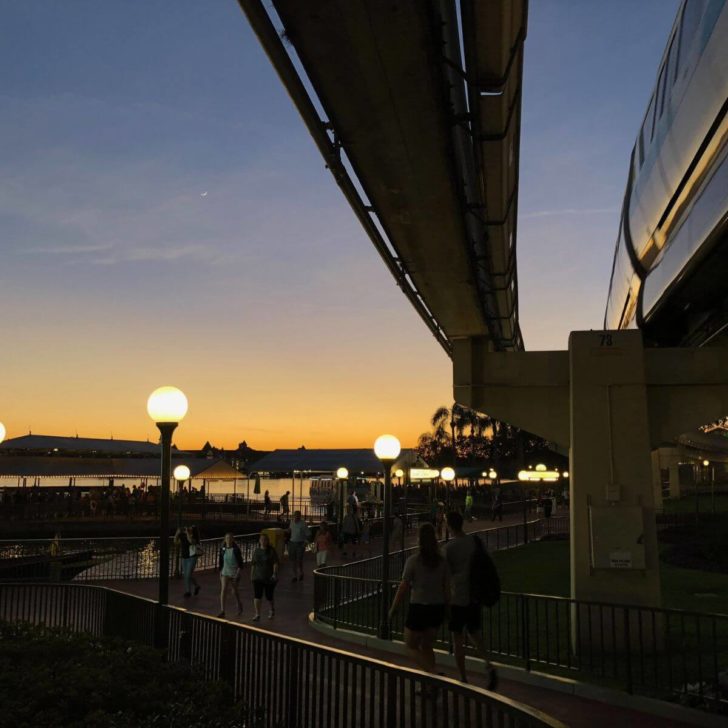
(670, 270)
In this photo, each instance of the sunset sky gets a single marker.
(166, 219)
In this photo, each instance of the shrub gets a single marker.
(53, 677)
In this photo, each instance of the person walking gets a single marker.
(300, 534)
(193, 536)
(440, 520)
(264, 575)
(353, 501)
(182, 543)
(267, 505)
(465, 613)
(427, 578)
(350, 530)
(497, 506)
(469, 506)
(284, 504)
(323, 542)
(230, 562)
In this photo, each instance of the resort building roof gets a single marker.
(356, 461)
(80, 467)
(55, 443)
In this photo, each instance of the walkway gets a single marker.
(293, 604)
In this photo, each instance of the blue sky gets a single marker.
(165, 217)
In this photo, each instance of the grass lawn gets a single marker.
(543, 568)
(686, 504)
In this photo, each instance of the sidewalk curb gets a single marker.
(652, 706)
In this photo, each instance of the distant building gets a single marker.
(361, 461)
(80, 446)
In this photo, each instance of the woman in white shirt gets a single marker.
(427, 580)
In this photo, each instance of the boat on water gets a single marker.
(323, 489)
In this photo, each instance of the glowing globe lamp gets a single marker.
(387, 447)
(181, 472)
(167, 404)
(447, 474)
(342, 473)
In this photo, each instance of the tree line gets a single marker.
(462, 436)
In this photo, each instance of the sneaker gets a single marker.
(240, 609)
(256, 618)
(271, 614)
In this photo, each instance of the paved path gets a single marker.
(294, 602)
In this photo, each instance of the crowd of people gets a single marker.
(451, 584)
(71, 501)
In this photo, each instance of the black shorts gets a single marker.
(421, 617)
(469, 618)
(264, 586)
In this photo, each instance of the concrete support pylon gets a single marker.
(675, 481)
(614, 554)
(611, 402)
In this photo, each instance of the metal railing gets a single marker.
(101, 559)
(118, 558)
(285, 681)
(662, 653)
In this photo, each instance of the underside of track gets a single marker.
(415, 107)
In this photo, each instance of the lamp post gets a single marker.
(399, 473)
(706, 465)
(343, 475)
(386, 448)
(181, 474)
(448, 475)
(166, 406)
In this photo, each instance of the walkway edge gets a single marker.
(652, 706)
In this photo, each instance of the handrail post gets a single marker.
(628, 650)
(185, 638)
(336, 601)
(392, 700)
(526, 633)
(293, 671)
(161, 630)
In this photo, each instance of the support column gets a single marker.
(614, 554)
(657, 478)
(611, 402)
(674, 481)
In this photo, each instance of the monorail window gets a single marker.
(647, 129)
(660, 98)
(672, 62)
(690, 22)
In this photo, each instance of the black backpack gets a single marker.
(485, 585)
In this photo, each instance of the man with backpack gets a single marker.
(474, 584)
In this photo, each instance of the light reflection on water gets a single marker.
(120, 558)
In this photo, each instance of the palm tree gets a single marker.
(444, 416)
